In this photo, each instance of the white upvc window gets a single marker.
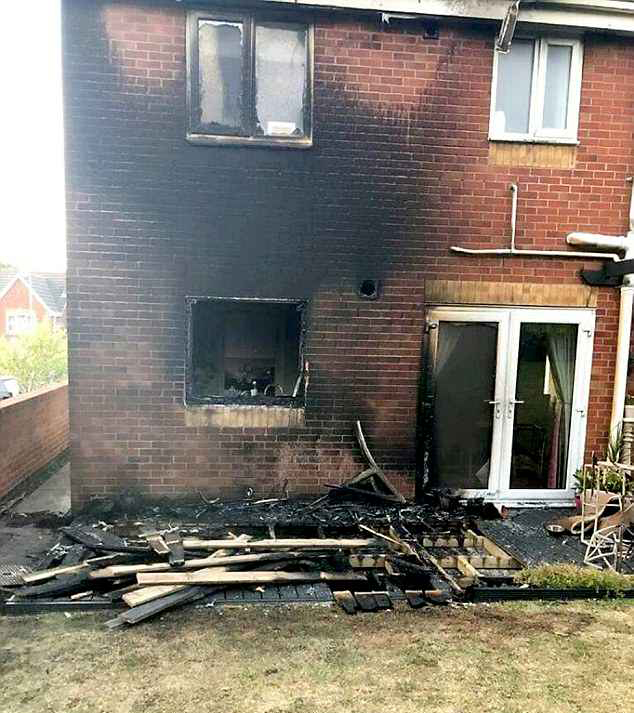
(20, 321)
(536, 90)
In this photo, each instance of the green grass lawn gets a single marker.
(512, 658)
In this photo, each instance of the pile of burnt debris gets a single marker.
(148, 559)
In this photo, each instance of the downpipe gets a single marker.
(613, 247)
(624, 244)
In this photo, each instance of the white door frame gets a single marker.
(479, 315)
(509, 320)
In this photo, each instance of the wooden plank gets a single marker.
(470, 574)
(148, 594)
(366, 601)
(480, 562)
(157, 543)
(213, 576)
(490, 546)
(176, 548)
(394, 542)
(279, 544)
(145, 595)
(367, 561)
(150, 609)
(345, 599)
(197, 563)
(415, 598)
(468, 541)
(30, 577)
(64, 584)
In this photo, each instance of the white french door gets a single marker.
(509, 400)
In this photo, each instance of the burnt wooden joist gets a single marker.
(96, 539)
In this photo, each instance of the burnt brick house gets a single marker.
(263, 198)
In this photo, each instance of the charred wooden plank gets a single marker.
(415, 598)
(102, 541)
(61, 585)
(150, 609)
(174, 543)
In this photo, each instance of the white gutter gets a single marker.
(598, 15)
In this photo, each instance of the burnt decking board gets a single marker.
(103, 541)
(64, 584)
(283, 594)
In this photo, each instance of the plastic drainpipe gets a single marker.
(607, 242)
(533, 253)
(622, 358)
(624, 243)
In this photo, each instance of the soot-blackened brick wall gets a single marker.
(400, 170)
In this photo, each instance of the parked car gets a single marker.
(8, 387)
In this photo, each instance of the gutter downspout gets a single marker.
(623, 243)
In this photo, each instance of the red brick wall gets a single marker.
(34, 430)
(17, 297)
(399, 172)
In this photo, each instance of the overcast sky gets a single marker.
(32, 230)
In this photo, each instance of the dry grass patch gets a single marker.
(513, 658)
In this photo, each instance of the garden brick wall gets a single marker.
(401, 169)
(34, 430)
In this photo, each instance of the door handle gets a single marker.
(498, 406)
(511, 406)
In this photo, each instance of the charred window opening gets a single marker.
(245, 352)
(249, 78)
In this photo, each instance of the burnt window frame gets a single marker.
(299, 401)
(246, 135)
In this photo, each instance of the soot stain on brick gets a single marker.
(254, 221)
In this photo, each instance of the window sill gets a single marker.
(264, 142)
(244, 416)
(539, 140)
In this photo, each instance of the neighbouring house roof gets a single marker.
(6, 279)
(48, 287)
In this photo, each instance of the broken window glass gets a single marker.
(220, 73)
(249, 78)
(244, 351)
(280, 71)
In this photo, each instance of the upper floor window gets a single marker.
(20, 321)
(249, 79)
(536, 90)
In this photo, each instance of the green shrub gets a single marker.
(570, 576)
(36, 359)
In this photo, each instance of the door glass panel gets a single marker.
(464, 374)
(545, 385)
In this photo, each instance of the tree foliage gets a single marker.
(35, 359)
